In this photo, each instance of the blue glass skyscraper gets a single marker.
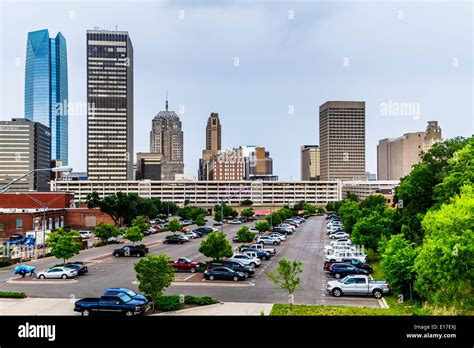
(46, 88)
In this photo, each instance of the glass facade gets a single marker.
(46, 88)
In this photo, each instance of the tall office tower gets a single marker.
(26, 145)
(166, 138)
(148, 166)
(310, 162)
(259, 165)
(397, 156)
(342, 140)
(110, 105)
(46, 88)
(213, 145)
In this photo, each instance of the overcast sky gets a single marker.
(265, 67)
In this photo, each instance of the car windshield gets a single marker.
(131, 293)
(343, 279)
(124, 297)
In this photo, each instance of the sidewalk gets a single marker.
(226, 308)
(37, 306)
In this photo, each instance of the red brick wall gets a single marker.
(77, 218)
(8, 220)
(27, 200)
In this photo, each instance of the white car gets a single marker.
(57, 273)
(85, 234)
(190, 234)
(278, 236)
(267, 240)
(286, 226)
(235, 222)
(338, 235)
(253, 230)
(330, 249)
(341, 241)
(246, 260)
(338, 256)
(252, 254)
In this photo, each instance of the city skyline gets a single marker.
(231, 77)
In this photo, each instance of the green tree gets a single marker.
(247, 202)
(216, 246)
(350, 214)
(262, 226)
(105, 231)
(200, 220)
(146, 207)
(369, 230)
(63, 244)
(154, 275)
(310, 209)
(93, 200)
(375, 202)
(274, 219)
(397, 262)
(140, 223)
(445, 265)
(229, 212)
(133, 234)
(174, 226)
(299, 206)
(287, 276)
(122, 207)
(244, 235)
(351, 196)
(334, 206)
(247, 212)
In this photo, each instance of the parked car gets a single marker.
(204, 230)
(338, 256)
(338, 235)
(246, 260)
(279, 236)
(267, 240)
(186, 222)
(329, 249)
(86, 234)
(131, 293)
(174, 239)
(223, 273)
(340, 270)
(341, 241)
(285, 231)
(261, 254)
(131, 250)
(358, 264)
(235, 239)
(79, 267)
(185, 264)
(111, 304)
(191, 235)
(235, 265)
(293, 228)
(358, 285)
(271, 251)
(253, 230)
(57, 273)
(235, 222)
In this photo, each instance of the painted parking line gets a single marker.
(41, 282)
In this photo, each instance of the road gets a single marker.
(105, 271)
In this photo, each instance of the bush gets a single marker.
(202, 266)
(12, 294)
(168, 303)
(200, 301)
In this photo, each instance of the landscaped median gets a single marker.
(12, 294)
(173, 302)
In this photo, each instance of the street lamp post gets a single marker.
(56, 170)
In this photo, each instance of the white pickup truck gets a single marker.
(358, 285)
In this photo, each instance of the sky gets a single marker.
(264, 66)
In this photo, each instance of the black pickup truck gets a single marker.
(131, 250)
(111, 304)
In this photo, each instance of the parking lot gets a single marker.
(105, 271)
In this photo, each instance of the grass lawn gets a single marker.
(310, 310)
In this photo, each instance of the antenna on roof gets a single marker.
(166, 100)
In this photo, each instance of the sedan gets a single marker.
(235, 222)
(340, 270)
(58, 273)
(79, 267)
(338, 235)
(223, 273)
(191, 235)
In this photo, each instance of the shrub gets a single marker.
(200, 301)
(12, 294)
(168, 303)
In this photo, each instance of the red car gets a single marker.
(185, 264)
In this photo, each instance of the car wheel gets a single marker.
(253, 264)
(85, 313)
(64, 276)
(337, 292)
(337, 276)
(165, 242)
(138, 255)
(193, 270)
(267, 258)
(41, 276)
(116, 254)
(235, 278)
(275, 243)
(211, 277)
(377, 294)
(129, 313)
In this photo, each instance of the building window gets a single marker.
(19, 224)
(1, 229)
